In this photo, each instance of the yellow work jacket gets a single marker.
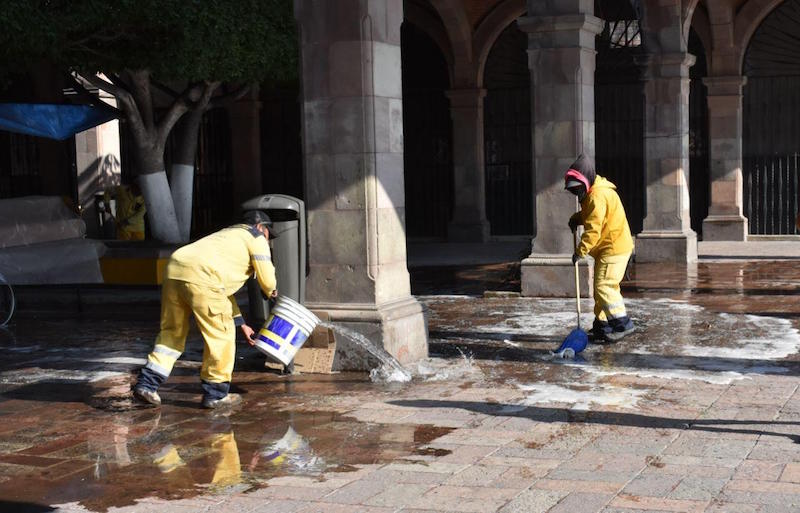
(225, 260)
(606, 230)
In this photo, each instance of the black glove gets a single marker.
(574, 222)
(575, 258)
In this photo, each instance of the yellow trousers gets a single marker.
(213, 314)
(609, 270)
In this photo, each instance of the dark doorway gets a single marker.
(699, 166)
(507, 136)
(427, 136)
(619, 107)
(771, 123)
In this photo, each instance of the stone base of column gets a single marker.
(399, 327)
(725, 227)
(554, 276)
(666, 246)
(468, 232)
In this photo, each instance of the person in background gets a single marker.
(201, 279)
(130, 212)
(607, 238)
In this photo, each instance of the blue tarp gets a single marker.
(51, 120)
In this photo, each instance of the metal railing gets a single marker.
(771, 193)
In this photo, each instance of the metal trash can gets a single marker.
(288, 215)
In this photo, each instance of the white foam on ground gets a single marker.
(715, 378)
(778, 340)
(596, 395)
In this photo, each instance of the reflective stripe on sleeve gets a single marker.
(263, 258)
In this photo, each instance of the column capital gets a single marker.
(674, 65)
(564, 22)
(729, 85)
(472, 97)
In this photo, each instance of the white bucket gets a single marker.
(288, 327)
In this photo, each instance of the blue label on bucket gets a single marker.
(298, 338)
(280, 327)
(269, 342)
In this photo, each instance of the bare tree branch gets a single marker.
(126, 102)
(209, 88)
(140, 85)
(174, 113)
(230, 97)
(117, 81)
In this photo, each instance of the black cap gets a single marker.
(256, 217)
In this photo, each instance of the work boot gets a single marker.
(228, 400)
(147, 396)
(600, 329)
(621, 331)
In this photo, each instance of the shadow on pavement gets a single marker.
(541, 414)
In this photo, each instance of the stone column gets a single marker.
(353, 162)
(245, 123)
(561, 57)
(667, 236)
(469, 222)
(725, 220)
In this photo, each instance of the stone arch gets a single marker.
(701, 24)
(688, 8)
(489, 30)
(747, 21)
(459, 32)
(433, 26)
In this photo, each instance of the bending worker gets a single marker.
(201, 279)
(607, 238)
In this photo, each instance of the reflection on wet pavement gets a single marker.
(487, 421)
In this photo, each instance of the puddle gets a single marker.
(180, 451)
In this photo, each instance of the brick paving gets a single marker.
(699, 412)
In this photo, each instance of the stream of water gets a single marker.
(390, 369)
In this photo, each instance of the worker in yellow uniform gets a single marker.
(130, 212)
(607, 238)
(201, 279)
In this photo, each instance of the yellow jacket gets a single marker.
(606, 230)
(225, 260)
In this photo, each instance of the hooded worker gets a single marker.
(201, 279)
(607, 238)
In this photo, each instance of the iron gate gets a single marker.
(619, 107)
(507, 136)
(771, 123)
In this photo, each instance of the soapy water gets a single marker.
(390, 369)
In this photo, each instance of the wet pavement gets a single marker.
(699, 410)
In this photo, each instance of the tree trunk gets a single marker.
(157, 198)
(183, 169)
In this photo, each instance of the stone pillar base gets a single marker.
(468, 232)
(666, 246)
(399, 327)
(725, 227)
(554, 276)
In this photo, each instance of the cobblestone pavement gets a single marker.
(698, 411)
